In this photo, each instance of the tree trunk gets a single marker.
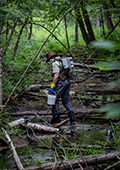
(30, 34)
(102, 21)
(88, 23)
(7, 31)
(66, 33)
(107, 15)
(1, 27)
(13, 29)
(76, 31)
(82, 28)
(1, 92)
(18, 38)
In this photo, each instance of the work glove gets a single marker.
(51, 90)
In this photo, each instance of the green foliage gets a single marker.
(14, 130)
(107, 66)
(98, 148)
(109, 45)
(70, 153)
(27, 161)
(114, 133)
(35, 159)
(67, 153)
(112, 110)
(1, 162)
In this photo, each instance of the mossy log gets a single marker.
(75, 163)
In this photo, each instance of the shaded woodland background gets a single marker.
(29, 29)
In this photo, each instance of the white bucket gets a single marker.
(51, 99)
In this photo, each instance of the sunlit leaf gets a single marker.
(110, 45)
(112, 111)
(109, 66)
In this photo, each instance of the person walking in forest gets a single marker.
(61, 86)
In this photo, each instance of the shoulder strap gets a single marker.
(60, 59)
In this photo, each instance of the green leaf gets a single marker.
(109, 66)
(110, 45)
(112, 111)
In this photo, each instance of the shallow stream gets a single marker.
(89, 133)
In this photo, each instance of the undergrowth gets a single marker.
(29, 48)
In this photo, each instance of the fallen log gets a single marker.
(93, 67)
(61, 123)
(86, 65)
(100, 91)
(33, 125)
(72, 96)
(33, 112)
(17, 122)
(38, 86)
(87, 98)
(46, 136)
(41, 127)
(75, 163)
(12, 148)
(89, 116)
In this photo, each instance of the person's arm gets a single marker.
(56, 70)
(55, 78)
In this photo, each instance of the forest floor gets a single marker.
(89, 92)
(86, 96)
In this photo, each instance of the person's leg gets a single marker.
(55, 110)
(55, 113)
(62, 89)
(67, 104)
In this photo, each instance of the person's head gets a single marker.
(50, 55)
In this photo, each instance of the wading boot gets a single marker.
(55, 120)
(72, 120)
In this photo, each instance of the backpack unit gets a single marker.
(65, 72)
(67, 62)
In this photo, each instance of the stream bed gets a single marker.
(83, 134)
